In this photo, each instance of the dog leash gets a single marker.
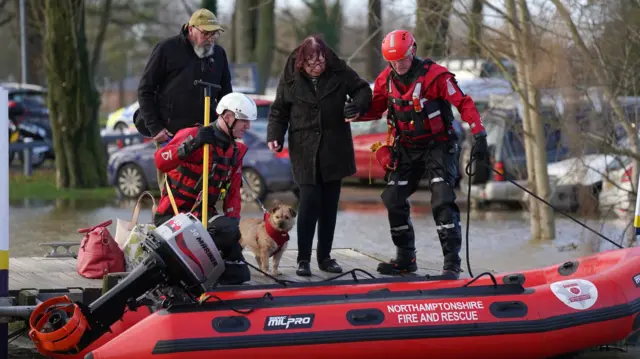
(255, 197)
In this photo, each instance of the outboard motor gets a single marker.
(180, 254)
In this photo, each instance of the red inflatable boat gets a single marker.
(540, 313)
(533, 314)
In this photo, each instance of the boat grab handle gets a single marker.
(493, 279)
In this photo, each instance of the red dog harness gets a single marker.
(279, 236)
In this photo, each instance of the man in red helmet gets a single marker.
(418, 94)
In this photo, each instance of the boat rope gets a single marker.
(205, 297)
(353, 275)
(470, 173)
(284, 282)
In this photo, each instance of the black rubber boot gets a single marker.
(453, 273)
(405, 262)
(236, 270)
(450, 241)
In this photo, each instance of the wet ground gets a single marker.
(499, 239)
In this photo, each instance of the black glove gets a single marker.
(481, 166)
(480, 148)
(205, 135)
(351, 110)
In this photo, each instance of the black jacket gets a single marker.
(319, 137)
(166, 93)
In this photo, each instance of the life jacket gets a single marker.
(279, 236)
(185, 180)
(415, 118)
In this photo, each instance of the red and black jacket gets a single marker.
(184, 176)
(419, 103)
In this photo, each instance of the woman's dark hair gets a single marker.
(312, 45)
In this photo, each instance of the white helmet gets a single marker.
(240, 104)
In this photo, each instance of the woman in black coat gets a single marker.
(311, 103)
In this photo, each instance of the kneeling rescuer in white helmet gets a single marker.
(182, 159)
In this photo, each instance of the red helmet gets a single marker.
(397, 44)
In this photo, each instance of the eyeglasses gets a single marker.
(209, 34)
(315, 63)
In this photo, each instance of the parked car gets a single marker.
(132, 169)
(617, 188)
(30, 119)
(506, 150)
(122, 118)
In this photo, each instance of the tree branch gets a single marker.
(187, 8)
(102, 29)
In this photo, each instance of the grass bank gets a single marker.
(42, 185)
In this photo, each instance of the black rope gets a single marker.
(282, 282)
(353, 275)
(266, 296)
(469, 173)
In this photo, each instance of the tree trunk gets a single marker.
(265, 44)
(211, 5)
(432, 26)
(475, 28)
(242, 32)
(516, 41)
(233, 49)
(547, 220)
(34, 25)
(72, 98)
(374, 25)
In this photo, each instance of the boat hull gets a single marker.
(540, 313)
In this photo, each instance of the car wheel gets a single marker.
(37, 159)
(254, 185)
(130, 181)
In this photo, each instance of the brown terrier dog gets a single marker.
(268, 237)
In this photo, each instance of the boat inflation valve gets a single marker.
(568, 268)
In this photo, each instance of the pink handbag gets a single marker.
(99, 254)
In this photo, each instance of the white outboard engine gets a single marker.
(189, 253)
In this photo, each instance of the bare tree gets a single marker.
(475, 28)
(432, 27)
(6, 14)
(72, 97)
(265, 45)
(374, 31)
(516, 34)
(614, 68)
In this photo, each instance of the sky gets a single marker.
(350, 7)
(358, 8)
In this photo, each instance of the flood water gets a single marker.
(499, 239)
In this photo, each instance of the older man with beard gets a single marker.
(168, 99)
